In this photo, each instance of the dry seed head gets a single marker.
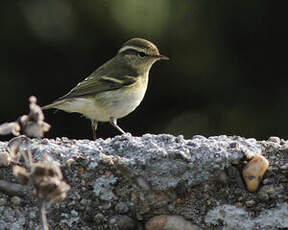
(10, 127)
(32, 125)
(22, 174)
(14, 148)
(46, 177)
(5, 158)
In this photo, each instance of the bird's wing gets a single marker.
(103, 79)
(92, 86)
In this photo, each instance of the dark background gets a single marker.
(227, 73)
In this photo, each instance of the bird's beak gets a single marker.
(161, 57)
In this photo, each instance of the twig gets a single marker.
(43, 213)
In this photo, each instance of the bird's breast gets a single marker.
(119, 103)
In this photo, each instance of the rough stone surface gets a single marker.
(132, 179)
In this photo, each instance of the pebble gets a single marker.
(74, 213)
(164, 222)
(122, 208)
(85, 202)
(250, 203)
(15, 200)
(267, 181)
(235, 162)
(3, 201)
(239, 204)
(122, 222)
(69, 162)
(265, 192)
(254, 171)
(99, 218)
(269, 189)
(284, 167)
(222, 177)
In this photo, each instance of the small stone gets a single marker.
(164, 222)
(209, 202)
(121, 208)
(238, 191)
(2, 201)
(222, 178)
(254, 171)
(105, 205)
(284, 167)
(180, 201)
(235, 162)
(99, 218)
(171, 208)
(15, 200)
(122, 222)
(265, 192)
(85, 202)
(269, 189)
(69, 162)
(250, 203)
(266, 181)
(74, 213)
(239, 204)
(263, 196)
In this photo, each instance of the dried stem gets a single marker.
(43, 213)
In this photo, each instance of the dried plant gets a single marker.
(10, 128)
(45, 177)
(47, 181)
(32, 125)
(5, 158)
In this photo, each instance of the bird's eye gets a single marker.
(141, 54)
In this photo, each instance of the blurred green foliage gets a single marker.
(226, 74)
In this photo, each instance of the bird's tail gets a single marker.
(54, 105)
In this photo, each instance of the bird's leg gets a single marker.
(113, 122)
(94, 125)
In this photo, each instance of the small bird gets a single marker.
(116, 88)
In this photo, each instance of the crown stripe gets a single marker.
(128, 48)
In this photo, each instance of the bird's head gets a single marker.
(140, 54)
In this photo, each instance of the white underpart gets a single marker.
(115, 103)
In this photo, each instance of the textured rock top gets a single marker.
(129, 179)
(162, 160)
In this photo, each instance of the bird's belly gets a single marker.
(116, 103)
